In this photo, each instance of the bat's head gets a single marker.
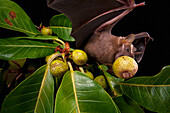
(133, 46)
(126, 47)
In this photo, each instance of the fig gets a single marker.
(58, 68)
(79, 57)
(88, 73)
(46, 31)
(125, 67)
(101, 81)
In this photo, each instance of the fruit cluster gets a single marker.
(123, 67)
(59, 66)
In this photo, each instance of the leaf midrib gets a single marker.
(74, 89)
(60, 27)
(144, 85)
(18, 29)
(26, 46)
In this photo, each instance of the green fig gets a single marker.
(58, 68)
(101, 81)
(79, 57)
(46, 31)
(88, 73)
(125, 67)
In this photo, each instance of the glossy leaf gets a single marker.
(38, 37)
(127, 105)
(112, 81)
(46, 94)
(24, 97)
(79, 94)
(13, 17)
(153, 93)
(20, 49)
(61, 25)
(35, 94)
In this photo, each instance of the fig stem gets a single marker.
(53, 57)
(70, 66)
(58, 40)
(82, 70)
(63, 56)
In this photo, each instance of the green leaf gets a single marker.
(45, 100)
(153, 93)
(23, 98)
(20, 49)
(79, 94)
(35, 94)
(62, 26)
(13, 17)
(38, 37)
(112, 81)
(127, 105)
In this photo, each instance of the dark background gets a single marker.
(153, 18)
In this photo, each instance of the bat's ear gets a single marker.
(129, 39)
(140, 43)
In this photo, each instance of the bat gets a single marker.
(92, 22)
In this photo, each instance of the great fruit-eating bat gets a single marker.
(92, 22)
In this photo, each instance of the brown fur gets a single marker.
(105, 47)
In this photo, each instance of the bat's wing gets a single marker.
(140, 44)
(88, 16)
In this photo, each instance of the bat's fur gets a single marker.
(105, 47)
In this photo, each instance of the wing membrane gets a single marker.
(88, 15)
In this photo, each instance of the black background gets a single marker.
(153, 18)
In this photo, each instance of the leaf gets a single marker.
(23, 98)
(153, 93)
(38, 37)
(20, 49)
(127, 105)
(16, 67)
(61, 25)
(35, 94)
(13, 17)
(46, 94)
(112, 81)
(79, 94)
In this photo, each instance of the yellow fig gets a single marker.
(58, 68)
(125, 67)
(101, 81)
(79, 57)
(88, 73)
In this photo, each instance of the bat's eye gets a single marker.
(127, 50)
